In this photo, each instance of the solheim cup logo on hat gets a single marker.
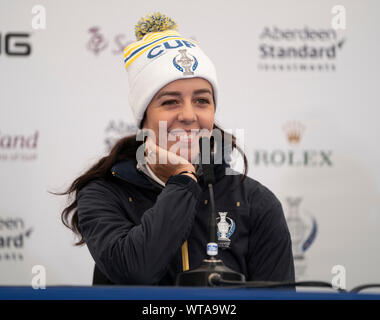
(184, 63)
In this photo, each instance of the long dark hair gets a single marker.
(124, 149)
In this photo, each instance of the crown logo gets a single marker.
(294, 131)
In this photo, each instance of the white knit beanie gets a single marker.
(160, 56)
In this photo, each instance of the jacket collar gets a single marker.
(126, 170)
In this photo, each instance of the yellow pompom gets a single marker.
(154, 22)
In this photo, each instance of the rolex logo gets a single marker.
(294, 156)
(294, 131)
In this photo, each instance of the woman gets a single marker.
(146, 221)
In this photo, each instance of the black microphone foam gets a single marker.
(205, 160)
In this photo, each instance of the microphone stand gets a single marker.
(212, 269)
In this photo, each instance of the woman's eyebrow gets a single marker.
(178, 94)
(199, 91)
(168, 93)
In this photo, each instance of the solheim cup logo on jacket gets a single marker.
(226, 227)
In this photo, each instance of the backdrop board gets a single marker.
(298, 85)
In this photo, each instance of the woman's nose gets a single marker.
(187, 113)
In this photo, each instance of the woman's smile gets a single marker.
(183, 135)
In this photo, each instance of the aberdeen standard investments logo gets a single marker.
(13, 235)
(299, 49)
(294, 156)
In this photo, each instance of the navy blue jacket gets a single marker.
(134, 228)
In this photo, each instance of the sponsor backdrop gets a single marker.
(299, 77)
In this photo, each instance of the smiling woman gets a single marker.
(186, 106)
(146, 221)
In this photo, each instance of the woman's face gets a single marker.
(186, 106)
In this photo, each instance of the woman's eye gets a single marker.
(169, 102)
(203, 101)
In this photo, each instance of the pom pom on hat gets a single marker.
(155, 22)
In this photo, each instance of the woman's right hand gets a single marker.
(174, 163)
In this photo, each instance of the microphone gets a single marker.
(212, 269)
(206, 161)
(207, 166)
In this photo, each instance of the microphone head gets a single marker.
(205, 160)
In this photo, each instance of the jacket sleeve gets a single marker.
(137, 254)
(270, 247)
